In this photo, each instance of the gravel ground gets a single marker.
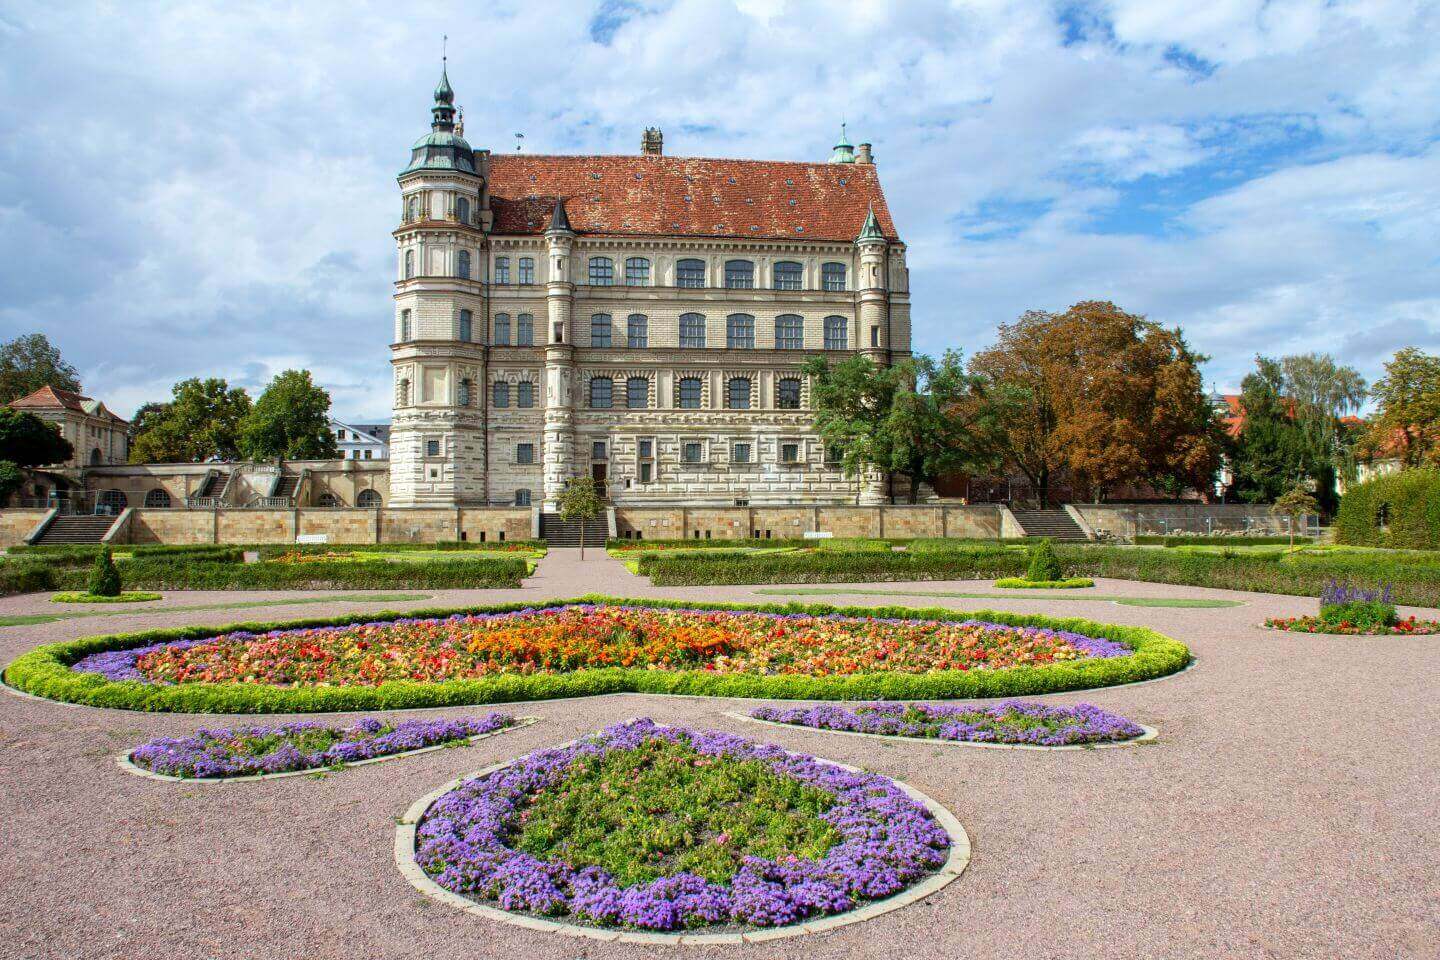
(1288, 810)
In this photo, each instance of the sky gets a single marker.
(193, 189)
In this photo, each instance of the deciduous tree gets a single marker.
(290, 421)
(201, 422)
(580, 500)
(28, 441)
(1407, 422)
(30, 362)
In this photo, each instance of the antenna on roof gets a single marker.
(444, 47)
(519, 141)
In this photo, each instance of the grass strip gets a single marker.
(1203, 604)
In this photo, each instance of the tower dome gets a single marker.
(844, 151)
(442, 148)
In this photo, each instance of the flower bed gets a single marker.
(1012, 722)
(597, 645)
(654, 828)
(1020, 583)
(129, 596)
(1410, 626)
(303, 745)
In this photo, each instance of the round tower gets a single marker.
(559, 446)
(873, 309)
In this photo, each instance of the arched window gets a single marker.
(787, 394)
(527, 270)
(524, 394)
(739, 275)
(692, 330)
(500, 395)
(96, 457)
(789, 332)
(832, 276)
(404, 325)
(637, 272)
(522, 498)
(789, 275)
(602, 271)
(837, 333)
(462, 264)
(111, 501)
(687, 393)
(412, 211)
(157, 499)
(502, 269)
(462, 209)
(740, 331)
(602, 393)
(525, 330)
(328, 500)
(467, 325)
(463, 395)
(637, 393)
(637, 331)
(737, 393)
(689, 273)
(600, 330)
(369, 499)
(409, 264)
(502, 329)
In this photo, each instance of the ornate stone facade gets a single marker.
(642, 320)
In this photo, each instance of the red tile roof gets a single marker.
(52, 398)
(686, 196)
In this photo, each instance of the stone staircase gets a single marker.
(1055, 524)
(214, 483)
(76, 528)
(566, 533)
(286, 486)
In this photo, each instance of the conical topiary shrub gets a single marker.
(104, 577)
(1044, 565)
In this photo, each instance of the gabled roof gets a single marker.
(53, 398)
(649, 195)
(378, 432)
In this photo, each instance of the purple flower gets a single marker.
(1013, 721)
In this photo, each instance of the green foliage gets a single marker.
(30, 362)
(663, 808)
(1218, 540)
(1044, 565)
(25, 577)
(580, 500)
(1360, 613)
(11, 479)
(1401, 510)
(183, 573)
(131, 596)
(104, 578)
(1407, 423)
(28, 441)
(1025, 583)
(45, 671)
(201, 422)
(290, 421)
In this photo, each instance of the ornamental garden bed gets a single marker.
(513, 652)
(1014, 723)
(1406, 627)
(658, 829)
(1353, 610)
(303, 747)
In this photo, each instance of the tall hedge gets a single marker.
(1409, 502)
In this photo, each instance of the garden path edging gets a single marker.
(123, 761)
(953, 867)
(1149, 736)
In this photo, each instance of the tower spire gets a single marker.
(443, 113)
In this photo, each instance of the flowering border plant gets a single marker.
(302, 745)
(1355, 610)
(878, 841)
(1010, 722)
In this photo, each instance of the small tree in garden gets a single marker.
(104, 577)
(1295, 503)
(580, 501)
(1044, 565)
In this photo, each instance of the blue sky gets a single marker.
(202, 189)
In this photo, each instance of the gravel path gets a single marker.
(1288, 810)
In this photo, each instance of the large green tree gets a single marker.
(27, 441)
(1272, 451)
(1407, 421)
(290, 421)
(919, 417)
(200, 422)
(30, 362)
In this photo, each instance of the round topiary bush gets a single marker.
(1401, 510)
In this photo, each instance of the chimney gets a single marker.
(653, 142)
(862, 154)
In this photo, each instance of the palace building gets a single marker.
(640, 319)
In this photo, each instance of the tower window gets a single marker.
(740, 331)
(787, 394)
(687, 393)
(467, 326)
(462, 209)
(502, 329)
(464, 394)
(692, 330)
(432, 448)
(739, 275)
(409, 264)
(462, 264)
(602, 271)
(789, 275)
(637, 331)
(837, 333)
(737, 393)
(525, 330)
(412, 207)
(637, 272)
(602, 393)
(874, 336)
(600, 330)
(502, 269)
(500, 395)
(637, 393)
(527, 270)
(524, 394)
(404, 325)
(524, 453)
(832, 276)
(789, 332)
(690, 273)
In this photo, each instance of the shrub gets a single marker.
(1400, 510)
(104, 578)
(1218, 540)
(45, 671)
(830, 566)
(20, 577)
(166, 573)
(1044, 566)
(1343, 603)
(1025, 583)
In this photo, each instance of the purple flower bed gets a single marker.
(887, 842)
(1014, 721)
(302, 745)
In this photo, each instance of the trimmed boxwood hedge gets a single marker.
(169, 573)
(45, 671)
(1200, 540)
(1020, 583)
(1410, 501)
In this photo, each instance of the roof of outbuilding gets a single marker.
(648, 195)
(53, 398)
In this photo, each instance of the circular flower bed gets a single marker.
(596, 645)
(1011, 722)
(130, 596)
(655, 828)
(303, 745)
(1020, 583)
(1410, 626)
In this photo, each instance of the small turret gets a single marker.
(443, 148)
(844, 151)
(871, 232)
(653, 142)
(559, 219)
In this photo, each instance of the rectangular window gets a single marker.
(500, 395)
(367, 454)
(789, 453)
(833, 454)
(525, 330)
(637, 272)
(637, 393)
(692, 452)
(524, 453)
(602, 271)
(502, 269)
(598, 450)
(647, 448)
(690, 273)
(527, 269)
(688, 392)
(832, 276)
(874, 336)
(502, 329)
(522, 498)
(637, 332)
(525, 394)
(432, 448)
(647, 472)
(741, 453)
(600, 330)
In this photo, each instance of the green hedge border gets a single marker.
(45, 671)
(1020, 583)
(129, 596)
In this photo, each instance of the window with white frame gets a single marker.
(637, 331)
(789, 332)
(522, 498)
(689, 273)
(837, 333)
(502, 269)
(526, 267)
(737, 393)
(602, 393)
(787, 394)
(739, 275)
(637, 393)
(692, 330)
(502, 329)
(525, 330)
(687, 393)
(788, 275)
(832, 276)
(741, 451)
(409, 264)
(637, 272)
(600, 330)
(740, 331)
(412, 209)
(602, 271)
